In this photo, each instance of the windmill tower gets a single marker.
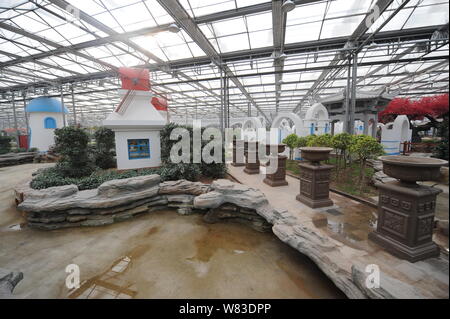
(136, 122)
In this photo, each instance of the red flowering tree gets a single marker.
(430, 107)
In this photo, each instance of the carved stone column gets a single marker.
(406, 209)
(238, 153)
(405, 221)
(315, 178)
(277, 178)
(251, 158)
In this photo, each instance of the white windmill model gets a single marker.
(136, 122)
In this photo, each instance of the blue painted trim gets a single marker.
(45, 104)
(390, 141)
(50, 123)
(397, 153)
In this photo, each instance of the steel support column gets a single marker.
(62, 107)
(73, 106)
(16, 130)
(353, 94)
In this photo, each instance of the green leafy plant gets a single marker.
(214, 170)
(324, 140)
(441, 150)
(72, 144)
(365, 147)
(105, 148)
(342, 143)
(5, 144)
(291, 142)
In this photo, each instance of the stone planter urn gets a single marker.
(277, 178)
(315, 177)
(406, 209)
(251, 158)
(238, 153)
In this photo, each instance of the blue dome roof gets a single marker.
(45, 104)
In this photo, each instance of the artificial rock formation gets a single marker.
(8, 281)
(10, 159)
(223, 200)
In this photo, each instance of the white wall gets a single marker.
(122, 137)
(394, 134)
(41, 137)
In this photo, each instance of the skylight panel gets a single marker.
(233, 43)
(132, 14)
(203, 7)
(307, 13)
(178, 52)
(229, 27)
(339, 27)
(343, 8)
(303, 32)
(88, 6)
(257, 22)
(261, 39)
(428, 15)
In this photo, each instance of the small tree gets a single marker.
(291, 142)
(342, 142)
(104, 152)
(72, 144)
(323, 140)
(365, 147)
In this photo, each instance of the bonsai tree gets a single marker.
(291, 142)
(341, 142)
(430, 107)
(104, 152)
(365, 147)
(72, 144)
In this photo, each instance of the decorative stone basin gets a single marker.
(281, 147)
(406, 210)
(315, 154)
(412, 169)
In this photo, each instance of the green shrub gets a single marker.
(189, 171)
(291, 141)
(302, 141)
(72, 144)
(5, 144)
(342, 143)
(441, 150)
(365, 147)
(176, 171)
(33, 149)
(51, 177)
(324, 140)
(104, 150)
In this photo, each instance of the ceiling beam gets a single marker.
(179, 14)
(360, 31)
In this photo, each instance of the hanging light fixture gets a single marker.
(287, 6)
(173, 28)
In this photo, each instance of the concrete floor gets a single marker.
(159, 255)
(349, 222)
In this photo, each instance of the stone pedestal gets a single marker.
(279, 177)
(406, 219)
(315, 185)
(238, 148)
(251, 158)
